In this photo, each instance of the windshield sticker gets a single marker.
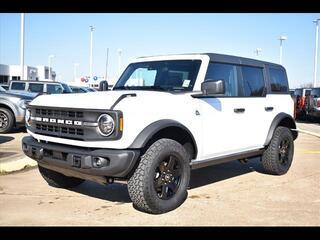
(186, 83)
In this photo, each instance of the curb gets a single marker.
(310, 133)
(17, 165)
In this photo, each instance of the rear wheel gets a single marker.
(59, 180)
(277, 158)
(6, 120)
(159, 184)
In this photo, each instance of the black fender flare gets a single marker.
(275, 123)
(148, 132)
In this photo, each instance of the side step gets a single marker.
(217, 160)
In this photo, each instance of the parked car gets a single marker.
(43, 87)
(12, 109)
(77, 89)
(300, 101)
(185, 112)
(313, 105)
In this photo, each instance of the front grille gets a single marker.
(76, 124)
(58, 129)
(58, 113)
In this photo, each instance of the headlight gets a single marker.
(106, 125)
(28, 117)
(23, 104)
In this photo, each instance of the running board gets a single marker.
(217, 160)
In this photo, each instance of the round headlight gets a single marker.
(105, 125)
(28, 117)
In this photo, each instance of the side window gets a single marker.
(54, 88)
(278, 80)
(18, 86)
(225, 72)
(35, 87)
(253, 82)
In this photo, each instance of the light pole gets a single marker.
(75, 65)
(91, 48)
(49, 63)
(119, 60)
(281, 38)
(258, 51)
(316, 52)
(22, 46)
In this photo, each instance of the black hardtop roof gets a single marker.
(217, 57)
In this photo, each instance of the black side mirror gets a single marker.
(213, 87)
(103, 85)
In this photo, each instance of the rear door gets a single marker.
(258, 113)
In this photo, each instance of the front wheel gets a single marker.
(160, 182)
(277, 158)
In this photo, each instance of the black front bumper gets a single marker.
(79, 161)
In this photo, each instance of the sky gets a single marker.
(67, 36)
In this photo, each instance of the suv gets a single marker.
(313, 104)
(12, 109)
(165, 116)
(39, 86)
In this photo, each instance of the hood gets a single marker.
(20, 94)
(90, 100)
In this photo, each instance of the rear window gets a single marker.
(253, 82)
(18, 86)
(35, 87)
(54, 88)
(278, 80)
(315, 92)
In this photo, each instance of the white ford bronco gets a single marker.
(165, 116)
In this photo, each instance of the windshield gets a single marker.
(2, 89)
(173, 75)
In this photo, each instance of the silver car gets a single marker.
(12, 109)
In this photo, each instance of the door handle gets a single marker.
(268, 109)
(239, 110)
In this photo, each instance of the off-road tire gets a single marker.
(11, 120)
(59, 180)
(140, 186)
(270, 158)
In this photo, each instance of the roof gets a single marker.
(225, 58)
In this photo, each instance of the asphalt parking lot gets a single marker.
(226, 194)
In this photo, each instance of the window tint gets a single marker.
(18, 86)
(278, 80)
(227, 73)
(36, 87)
(253, 83)
(54, 88)
(298, 92)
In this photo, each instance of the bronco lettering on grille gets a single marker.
(59, 121)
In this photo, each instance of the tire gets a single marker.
(6, 120)
(59, 180)
(151, 187)
(277, 158)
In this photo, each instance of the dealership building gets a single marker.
(13, 72)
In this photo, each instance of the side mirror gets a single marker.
(212, 87)
(103, 85)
